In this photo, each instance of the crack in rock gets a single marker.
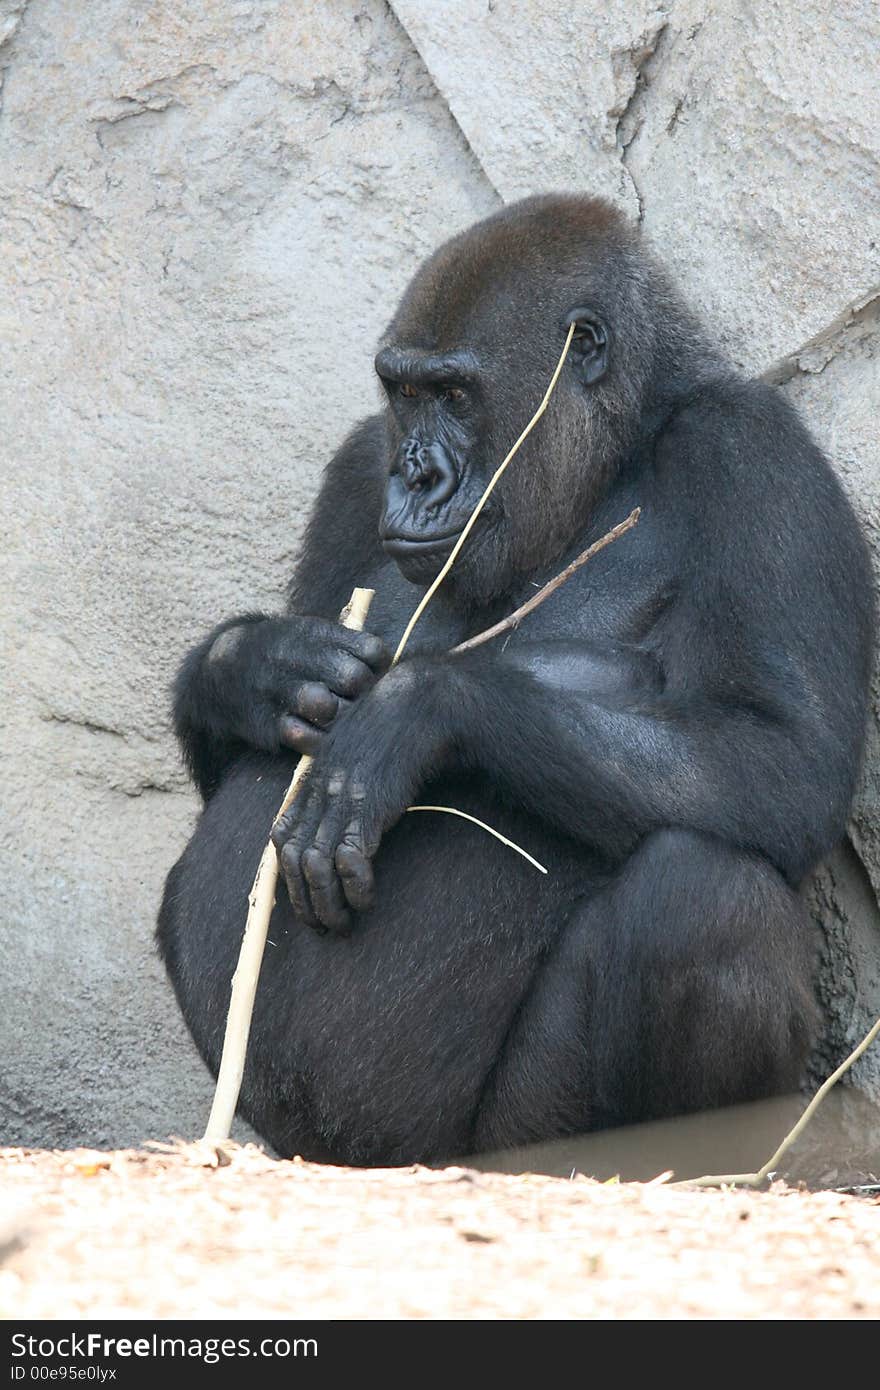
(79, 721)
(813, 357)
(639, 62)
(399, 23)
(12, 12)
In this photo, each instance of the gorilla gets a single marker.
(675, 734)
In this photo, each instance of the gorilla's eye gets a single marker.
(407, 390)
(453, 393)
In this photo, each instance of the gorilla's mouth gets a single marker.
(420, 558)
(400, 545)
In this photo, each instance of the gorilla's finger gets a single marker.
(317, 704)
(285, 825)
(369, 648)
(289, 863)
(325, 889)
(355, 870)
(292, 835)
(346, 675)
(280, 832)
(296, 733)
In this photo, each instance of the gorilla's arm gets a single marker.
(603, 768)
(750, 735)
(609, 770)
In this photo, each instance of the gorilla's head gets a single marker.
(467, 358)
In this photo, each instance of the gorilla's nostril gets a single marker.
(413, 466)
(428, 470)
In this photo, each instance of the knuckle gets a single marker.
(316, 701)
(379, 656)
(349, 860)
(280, 834)
(351, 674)
(316, 865)
(369, 647)
(335, 782)
(295, 734)
(289, 858)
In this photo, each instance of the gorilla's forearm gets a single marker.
(611, 765)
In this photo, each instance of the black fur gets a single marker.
(675, 734)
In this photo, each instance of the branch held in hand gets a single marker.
(260, 903)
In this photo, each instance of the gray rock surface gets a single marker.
(755, 145)
(540, 90)
(206, 215)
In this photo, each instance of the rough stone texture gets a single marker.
(540, 90)
(755, 144)
(206, 215)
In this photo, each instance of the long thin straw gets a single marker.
(471, 521)
(453, 811)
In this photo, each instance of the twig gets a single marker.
(490, 487)
(755, 1179)
(452, 811)
(250, 958)
(515, 618)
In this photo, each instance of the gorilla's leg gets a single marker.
(683, 984)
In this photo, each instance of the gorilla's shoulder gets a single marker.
(741, 437)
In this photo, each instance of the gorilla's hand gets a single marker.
(366, 773)
(284, 680)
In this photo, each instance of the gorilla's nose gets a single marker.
(429, 470)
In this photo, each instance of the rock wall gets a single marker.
(206, 215)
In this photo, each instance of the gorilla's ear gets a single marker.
(589, 346)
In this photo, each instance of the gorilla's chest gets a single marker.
(615, 598)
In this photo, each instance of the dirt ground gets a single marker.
(166, 1234)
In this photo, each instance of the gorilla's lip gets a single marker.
(398, 543)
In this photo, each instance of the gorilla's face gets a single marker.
(465, 363)
(437, 472)
(445, 409)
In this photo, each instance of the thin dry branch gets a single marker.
(755, 1179)
(515, 618)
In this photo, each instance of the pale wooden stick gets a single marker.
(755, 1179)
(490, 487)
(515, 618)
(250, 958)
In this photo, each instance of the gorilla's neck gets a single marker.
(683, 360)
